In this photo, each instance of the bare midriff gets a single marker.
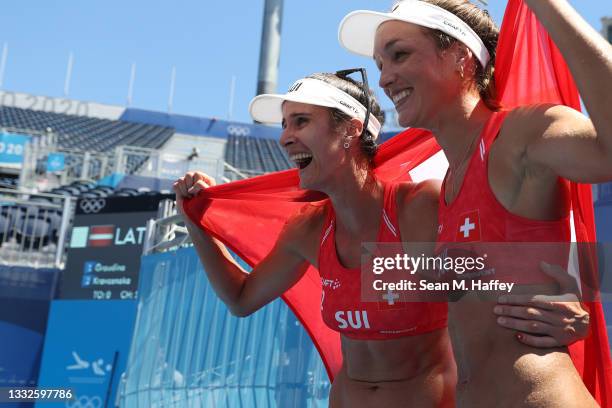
(495, 370)
(403, 372)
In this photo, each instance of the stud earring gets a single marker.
(347, 142)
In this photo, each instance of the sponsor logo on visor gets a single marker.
(351, 107)
(295, 87)
(454, 27)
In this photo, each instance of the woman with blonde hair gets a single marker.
(507, 172)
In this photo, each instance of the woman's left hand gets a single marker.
(546, 321)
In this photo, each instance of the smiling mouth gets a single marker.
(301, 160)
(400, 97)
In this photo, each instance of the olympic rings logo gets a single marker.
(84, 401)
(238, 130)
(92, 205)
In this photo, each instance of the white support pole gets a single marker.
(68, 74)
(3, 63)
(171, 96)
(63, 232)
(230, 109)
(131, 84)
(86, 164)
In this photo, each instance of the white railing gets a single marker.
(166, 232)
(92, 166)
(232, 173)
(153, 163)
(33, 228)
(77, 165)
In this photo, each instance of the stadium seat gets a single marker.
(125, 192)
(33, 231)
(106, 189)
(90, 194)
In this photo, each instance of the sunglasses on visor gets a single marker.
(366, 91)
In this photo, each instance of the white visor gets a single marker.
(267, 108)
(358, 29)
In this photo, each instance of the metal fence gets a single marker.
(37, 171)
(33, 228)
(154, 163)
(167, 232)
(90, 165)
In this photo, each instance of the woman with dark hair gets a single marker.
(504, 181)
(392, 356)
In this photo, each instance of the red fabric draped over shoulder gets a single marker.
(530, 69)
(248, 215)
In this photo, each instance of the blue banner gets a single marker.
(25, 295)
(55, 162)
(22, 330)
(12, 147)
(27, 283)
(86, 348)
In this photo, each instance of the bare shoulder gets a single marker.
(417, 205)
(303, 228)
(413, 196)
(307, 217)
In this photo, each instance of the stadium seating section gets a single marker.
(8, 182)
(255, 155)
(86, 133)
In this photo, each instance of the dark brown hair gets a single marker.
(354, 89)
(483, 25)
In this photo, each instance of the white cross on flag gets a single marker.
(469, 227)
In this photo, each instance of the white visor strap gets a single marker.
(357, 29)
(267, 108)
(429, 15)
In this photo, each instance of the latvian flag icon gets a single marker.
(101, 235)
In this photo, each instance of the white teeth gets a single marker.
(300, 156)
(398, 97)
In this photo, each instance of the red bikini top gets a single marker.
(341, 304)
(477, 219)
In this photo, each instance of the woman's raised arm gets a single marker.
(561, 139)
(244, 292)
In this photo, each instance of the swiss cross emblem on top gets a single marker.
(468, 228)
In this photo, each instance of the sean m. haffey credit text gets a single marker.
(462, 266)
